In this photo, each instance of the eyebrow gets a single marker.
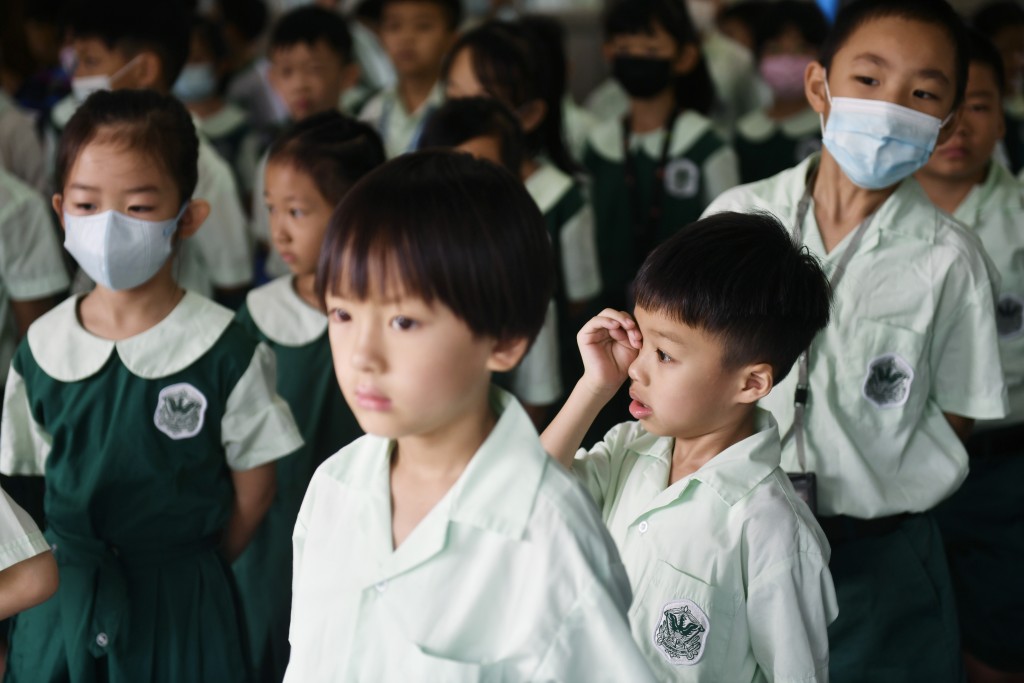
(931, 74)
(666, 335)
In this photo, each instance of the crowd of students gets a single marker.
(332, 378)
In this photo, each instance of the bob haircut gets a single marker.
(739, 277)
(460, 120)
(934, 12)
(449, 228)
(335, 151)
(143, 121)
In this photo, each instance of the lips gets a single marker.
(637, 408)
(371, 399)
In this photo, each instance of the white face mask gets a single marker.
(118, 251)
(83, 86)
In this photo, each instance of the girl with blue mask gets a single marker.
(150, 413)
(874, 415)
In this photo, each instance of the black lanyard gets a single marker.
(646, 224)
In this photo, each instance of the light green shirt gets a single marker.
(399, 129)
(995, 211)
(510, 577)
(729, 568)
(912, 336)
(20, 538)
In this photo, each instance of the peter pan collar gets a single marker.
(283, 316)
(690, 126)
(547, 185)
(68, 352)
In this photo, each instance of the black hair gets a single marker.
(996, 16)
(695, 89)
(935, 12)
(460, 120)
(332, 149)
(806, 17)
(452, 10)
(133, 27)
(982, 51)
(211, 34)
(445, 227)
(142, 120)
(741, 278)
(748, 13)
(248, 16)
(509, 61)
(309, 25)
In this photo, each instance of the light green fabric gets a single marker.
(398, 127)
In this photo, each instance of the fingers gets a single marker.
(618, 325)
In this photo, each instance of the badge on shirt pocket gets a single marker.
(180, 411)
(887, 381)
(682, 632)
(1009, 316)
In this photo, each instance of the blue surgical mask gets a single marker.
(878, 143)
(118, 251)
(196, 83)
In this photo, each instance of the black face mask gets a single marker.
(642, 77)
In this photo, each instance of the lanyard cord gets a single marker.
(645, 228)
(798, 428)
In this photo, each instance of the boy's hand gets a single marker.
(609, 343)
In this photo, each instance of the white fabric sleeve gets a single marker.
(258, 426)
(20, 538)
(21, 150)
(222, 240)
(579, 256)
(538, 378)
(31, 264)
(24, 444)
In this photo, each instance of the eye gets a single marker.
(295, 213)
(866, 80)
(136, 208)
(663, 357)
(400, 322)
(925, 95)
(85, 207)
(339, 315)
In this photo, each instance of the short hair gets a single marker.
(631, 17)
(982, 51)
(452, 9)
(448, 228)
(132, 27)
(335, 151)
(806, 17)
(144, 121)
(747, 12)
(995, 16)
(248, 16)
(309, 25)
(740, 278)
(211, 34)
(935, 12)
(460, 120)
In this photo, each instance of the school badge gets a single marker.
(888, 380)
(1009, 316)
(682, 632)
(180, 411)
(682, 179)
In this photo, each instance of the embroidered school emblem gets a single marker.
(180, 411)
(682, 632)
(682, 179)
(1009, 316)
(888, 380)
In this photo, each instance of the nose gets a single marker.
(636, 370)
(367, 352)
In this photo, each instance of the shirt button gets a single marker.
(102, 640)
(382, 586)
(642, 528)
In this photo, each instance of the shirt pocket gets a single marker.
(420, 664)
(683, 623)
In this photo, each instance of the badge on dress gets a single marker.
(682, 632)
(887, 382)
(682, 179)
(180, 411)
(1009, 316)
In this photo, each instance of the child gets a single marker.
(885, 394)
(123, 45)
(310, 67)
(416, 35)
(728, 567)
(28, 572)
(151, 414)
(311, 168)
(771, 140)
(444, 545)
(1002, 22)
(980, 520)
(656, 169)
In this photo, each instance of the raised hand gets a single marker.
(609, 343)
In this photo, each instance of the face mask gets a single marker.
(118, 251)
(83, 86)
(197, 82)
(876, 143)
(642, 77)
(784, 74)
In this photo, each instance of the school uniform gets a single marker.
(297, 333)
(31, 259)
(576, 125)
(399, 129)
(766, 146)
(20, 538)
(510, 577)
(136, 440)
(698, 166)
(912, 336)
(981, 523)
(229, 132)
(728, 567)
(21, 150)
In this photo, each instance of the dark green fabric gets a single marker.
(764, 158)
(1014, 142)
(897, 618)
(618, 254)
(306, 381)
(136, 518)
(983, 527)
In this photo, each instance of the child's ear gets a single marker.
(146, 73)
(814, 87)
(687, 59)
(349, 76)
(507, 354)
(57, 202)
(757, 381)
(532, 114)
(198, 211)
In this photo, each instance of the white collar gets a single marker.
(689, 127)
(547, 185)
(283, 316)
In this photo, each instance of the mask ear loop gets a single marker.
(828, 96)
(176, 253)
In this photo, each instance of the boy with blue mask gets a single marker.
(882, 398)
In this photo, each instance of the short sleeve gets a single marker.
(222, 241)
(579, 256)
(31, 263)
(258, 426)
(20, 538)
(721, 173)
(596, 468)
(24, 444)
(537, 379)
